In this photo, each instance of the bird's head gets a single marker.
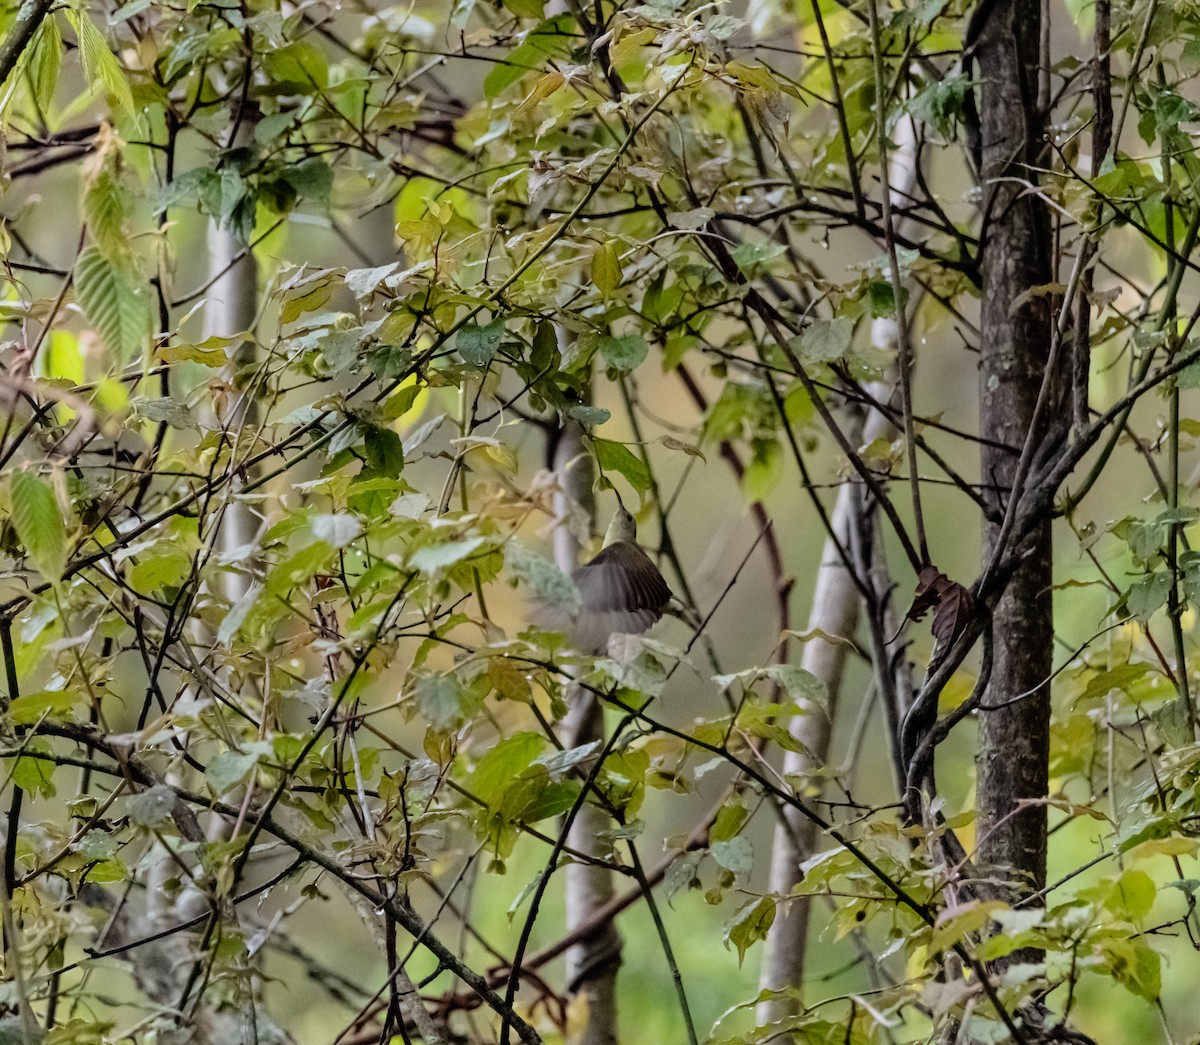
(622, 528)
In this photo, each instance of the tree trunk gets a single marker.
(835, 611)
(593, 962)
(1013, 352)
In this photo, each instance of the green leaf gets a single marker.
(100, 66)
(1132, 895)
(553, 37)
(497, 769)
(298, 569)
(526, 8)
(162, 566)
(204, 354)
(229, 769)
(164, 410)
(32, 707)
(729, 821)
(749, 256)
(797, 683)
(114, 304)
(45, 62)
(384, 451)
(624, 353)
(478, 344)
(35, 775)
(305, 292)
(764, 471)
(1148, 595)
(1121, 676)
(826, 340)
(588, 416)
(547, 583)
(941, 103)
(336, 529)
(606, 268)
(437, 557)
(442, 700)
(106, 203)
(152, 808)
(735, 855)
(751, 923)
(232, 622)
(300, 67)
(882, 299)
(362, 283)
(312, 179)
(617, 457)
(1137, 966)
(39, 523)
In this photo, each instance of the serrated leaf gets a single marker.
(106, 198)
(39, 523)
(113, 303)
(45, 62)
(100, 65)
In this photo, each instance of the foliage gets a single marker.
(338, 746)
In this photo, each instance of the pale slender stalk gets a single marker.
(835, 610)
(592, 963)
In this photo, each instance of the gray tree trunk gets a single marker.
(593, 962)
(835, 611)
(1013, 352)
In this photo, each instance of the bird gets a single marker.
(621, 591)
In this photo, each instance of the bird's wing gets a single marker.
(621, 593)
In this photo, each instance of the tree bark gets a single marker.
(835, 612)
(592, 963)
(1014, 348)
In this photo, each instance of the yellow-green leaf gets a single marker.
(606, 268)
(39, 523)
(100, 66)
(114, 304)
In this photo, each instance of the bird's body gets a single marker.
(621, 591)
